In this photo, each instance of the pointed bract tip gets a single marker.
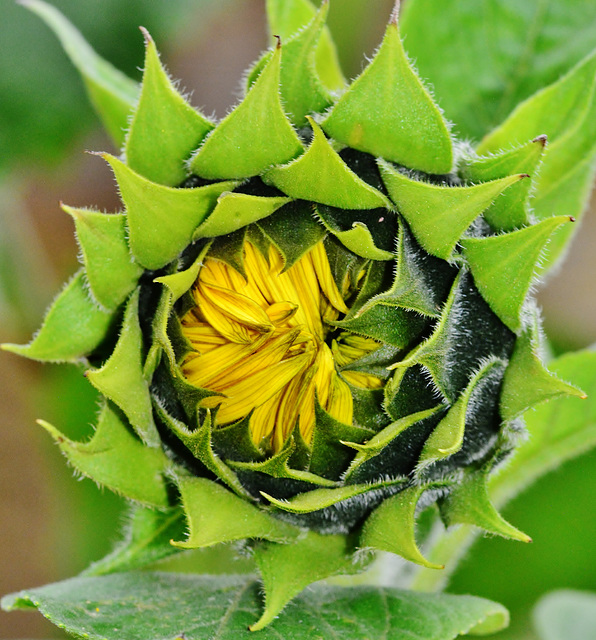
(572, 219)
(542, 139)
(394, 19)
(278, 38)
(146, 35)
(70, 210)
(524, 175)
(99, 154)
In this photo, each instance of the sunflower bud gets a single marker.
(313, 317)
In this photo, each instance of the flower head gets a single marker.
(314, 314)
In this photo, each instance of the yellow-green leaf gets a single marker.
(505, 266)
(320, 175)
(73, 328)
(391, 527)
(161, 219)
(108, 456)
(217, 515)
(110, 268)
(121, 378)
(437, 215)
(286, 569)
(111, 92)
(256, 135)
(388, 112)
(165, 129)
(286, 17)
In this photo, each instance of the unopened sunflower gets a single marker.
(312, 319)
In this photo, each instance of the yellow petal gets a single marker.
(257, 389)
(363, 380)
(238, 307)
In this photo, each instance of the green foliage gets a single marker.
(40, 135)
(222, 608)
(73, 327)
(404, 125)
(424, 251)
(558, 431)
(500, 53)
(111, 92)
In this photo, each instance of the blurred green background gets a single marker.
(52, 526)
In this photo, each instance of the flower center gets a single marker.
(259, 342)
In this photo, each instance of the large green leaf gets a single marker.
(501, 51)
(112, 93)
(197, 607)
(559, 430)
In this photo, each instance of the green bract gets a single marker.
(431, 245)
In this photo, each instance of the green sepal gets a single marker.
(112, 94)
(437, 215)
(165, 129)
(388, 112)
(293, 230)
(448, 436)
(391, 527)
(318, 499)
(301, 89)
(161, 342)
(180, 282)
(121, 378)
(409, 390)
(73, 328)
(198, 442)
(286, 17)
(277, 466)
(330, 457)
(466, 334)
(162, 220)
(320, 175)
(256, 135)
(217, 515)
(167, 335)
(286, 569)
(230, 249)
(527, 382)
(358, 238)
(234, 442)
(421, 282)
(108, 456)
(236, 210)
(385, 322)
(468, 503)
(109, 268)
(379, 441)
(566, 112)
(504, 266)
(147, 536)
(510, 211)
